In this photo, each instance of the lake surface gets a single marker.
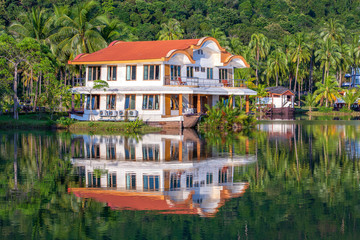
(286, 180)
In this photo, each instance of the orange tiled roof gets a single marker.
(142, 50)
(119, 51)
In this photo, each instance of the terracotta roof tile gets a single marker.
(127, 51)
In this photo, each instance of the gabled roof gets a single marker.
(150, 51)
(280, 90)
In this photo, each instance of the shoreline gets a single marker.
(333, 113)
(33, 122)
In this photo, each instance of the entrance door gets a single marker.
(167, 104)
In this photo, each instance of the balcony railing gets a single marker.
(203, 82)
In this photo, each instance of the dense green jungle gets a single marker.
(304, 45)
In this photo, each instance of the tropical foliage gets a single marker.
(283, 47)
(224, 116)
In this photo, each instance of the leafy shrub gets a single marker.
(134, 126)
(325, 109)
(65, 121)
(345, 110)
(224, 116)
(92, 124)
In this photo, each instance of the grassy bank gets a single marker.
(30, 121)
(42, 121)
(108, 127)
(333, 113)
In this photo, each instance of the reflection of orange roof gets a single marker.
(133, 200)
(154, 201)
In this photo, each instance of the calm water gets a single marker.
(287, 180)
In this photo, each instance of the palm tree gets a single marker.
(220, 36)
(35, 24)
(313, 40)
(344, 62)
(171, 31)
(310, 101)
(2, 29)
(328, 54)
(351, 96)
(333, 30)
(113, 29)
(354, 51)
(327, 90)
(259, 46)
(299, 52)
(277, 64)
(79, 30)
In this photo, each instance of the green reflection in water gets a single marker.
(304, 185)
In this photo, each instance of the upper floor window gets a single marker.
(151, 102)
(209, 73)
(130, 102)
(200, 52)
(189, 72)
(110, 102)
(131, 72)
(111, 73)
(175, 72)
(151, 72)
(94, 73)
(223, 74)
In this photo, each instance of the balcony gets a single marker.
(203, 82)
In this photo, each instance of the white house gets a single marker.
(158, 81)
(168, 173)
(278, 97)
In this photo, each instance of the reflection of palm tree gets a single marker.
(16, 136)
(171, 31)
(327, 90)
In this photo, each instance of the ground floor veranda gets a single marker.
(151, 104)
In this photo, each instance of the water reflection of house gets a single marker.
(168, 173)
(278, 129)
